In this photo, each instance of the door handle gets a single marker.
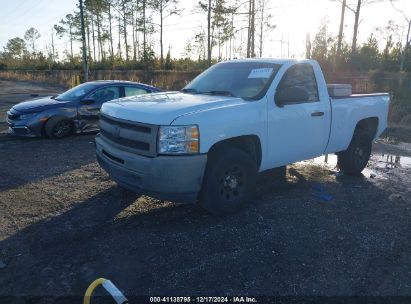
(317, 114)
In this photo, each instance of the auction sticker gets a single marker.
(260, 73)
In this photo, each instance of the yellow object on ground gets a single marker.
(109, 287)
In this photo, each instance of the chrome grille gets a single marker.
(135, 137)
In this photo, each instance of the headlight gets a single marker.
(178, 140)
(26, 116)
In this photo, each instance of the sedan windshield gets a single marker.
(247, 80)
(76, 93)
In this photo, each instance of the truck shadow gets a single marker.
(270, 183)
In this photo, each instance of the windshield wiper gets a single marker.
(223, 93)
(214, 92)
(189, 91)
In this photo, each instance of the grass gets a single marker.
(167, 80)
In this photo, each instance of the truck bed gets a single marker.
(349, 110)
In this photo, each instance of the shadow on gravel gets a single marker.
(270, 183)
(26, 160)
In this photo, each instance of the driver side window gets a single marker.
(105, 94)
(301, 77)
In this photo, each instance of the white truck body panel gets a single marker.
(287, 134)
(163, 108)
(347, 112)
(301, 135)
(291, 134)
(219, 123)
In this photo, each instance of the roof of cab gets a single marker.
(271, 60)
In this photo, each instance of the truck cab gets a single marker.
(207, 143)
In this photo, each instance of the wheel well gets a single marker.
(250, 144)
(43, 128)
(368, 126)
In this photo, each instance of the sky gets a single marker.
(294, 20)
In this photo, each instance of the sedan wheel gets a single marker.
(62, 129)
(57, 127)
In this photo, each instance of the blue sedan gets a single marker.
(74, 111)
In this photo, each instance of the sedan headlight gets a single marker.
(27, 116)
(178, 140)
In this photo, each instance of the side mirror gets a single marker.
(88, 101)
(290, 95)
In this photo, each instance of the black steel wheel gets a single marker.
(353, 160)
(229, 181)
(232, 183)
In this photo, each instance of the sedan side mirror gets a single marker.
(290, 95)
(88, 101)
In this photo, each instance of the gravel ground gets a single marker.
(64, 223)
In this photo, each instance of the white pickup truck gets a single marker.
(207, 143)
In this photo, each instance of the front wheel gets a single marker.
(229, 181)
(353, 160)
(57, 127)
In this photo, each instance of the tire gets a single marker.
(353, 160)
(229, 181)
(58, 127)
(280, 175)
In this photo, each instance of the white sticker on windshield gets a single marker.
(260, 73)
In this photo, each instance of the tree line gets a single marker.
(333, 52)
(124, 34)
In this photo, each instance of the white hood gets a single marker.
(163, 108)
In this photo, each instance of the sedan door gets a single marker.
(89, 107)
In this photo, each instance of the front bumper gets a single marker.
(175, 178)
(24, 128)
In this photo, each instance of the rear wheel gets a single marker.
(353, 160)
(57, 127)
(229, 181)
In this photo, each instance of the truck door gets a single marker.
(299, 116)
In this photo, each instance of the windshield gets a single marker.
(76, 93)
(240, 79)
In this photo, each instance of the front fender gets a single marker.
(66, 113)
(219, 124)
